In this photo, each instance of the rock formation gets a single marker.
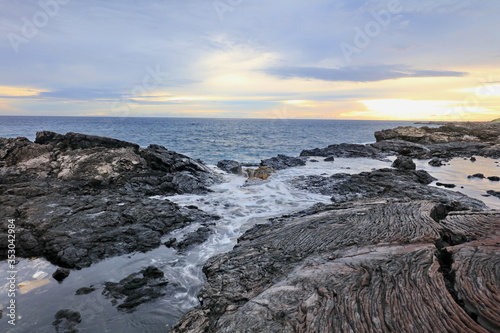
(79, 198)
(379, 265)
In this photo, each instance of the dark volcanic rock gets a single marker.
(66, 320)
(136, 289)
(494, 178)
(476, 175)
(436, 162)
(85, 290)
(60, 274)
(451, 140)
(230, 166)
(281, 162)
(78, 198)
(365, 266)
(385, 183)
(404, 163)
(446, 185)
(329, 159)
(494, 193)
(197, 237)
(345, 150)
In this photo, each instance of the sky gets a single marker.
(340, 59)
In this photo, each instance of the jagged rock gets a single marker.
(452, 132)
(404, 163)
(282, 162)
(345, 150)
(230, 166)
(362, 266)
(60, 274)
(79, 198)
(66, 320)
(136, 289)
(385, 183)
(476, 175)
(329, 159)
(197, 237)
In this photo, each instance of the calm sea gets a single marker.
(245, 140)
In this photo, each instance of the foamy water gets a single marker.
(239, 206)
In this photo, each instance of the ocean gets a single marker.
(211, 140)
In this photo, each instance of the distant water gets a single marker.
(245, 140)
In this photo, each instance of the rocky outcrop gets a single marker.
(361, 266)
(78, 198)
(281, 162)
(385, 183)
(404, 163)
(136, 289)
(346, 150)
(452, 132)
(230, 166)
(445, 142)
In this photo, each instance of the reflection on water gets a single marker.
(240, 207)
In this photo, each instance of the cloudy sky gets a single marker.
(347, 59)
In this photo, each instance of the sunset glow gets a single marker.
(433, 61)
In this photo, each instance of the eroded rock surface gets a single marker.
(79, 198)
(358, 266)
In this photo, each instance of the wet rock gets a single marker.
(355, 266)
(85, 290)
(329, 159)
(473, 159)
(281, 162)
(78, 199)
(313, 161)
(476, 175)
(261, 173)
(345, 150)
(170, 242)
(385, 183)
(494, 193)
(60, 274)
(230, 166)
(404, 163)
(136, 289)
(66, 321)
(194, 238)
(436, 162)
(494, 178)
(446, 185)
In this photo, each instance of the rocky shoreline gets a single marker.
(78, 199)
(390, 253)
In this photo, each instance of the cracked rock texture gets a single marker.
(358, 266)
